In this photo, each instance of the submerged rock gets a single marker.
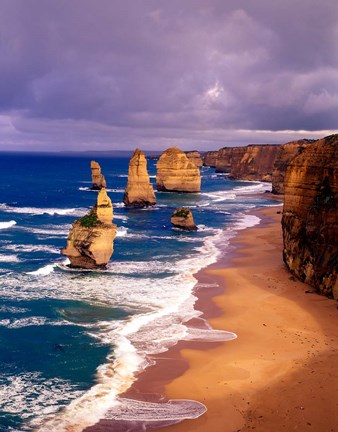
(98, 180)
(139, 191)
(310, 216)
(183, 218)
(90, 240)
(175, 173)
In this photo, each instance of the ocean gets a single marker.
(71, 341)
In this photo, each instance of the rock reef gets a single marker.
(176, 173)
(98, 180)
(183, 218)
(310, 216)
(195, 157)
(285, 155)
(139, 191)
(90, 240)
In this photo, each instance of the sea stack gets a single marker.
(139, 191)
(90, 240)
(98, 180)
(310, 216)
(195, 157)
(183, 218)
(175, 173)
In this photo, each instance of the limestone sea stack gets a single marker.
(90, 240)
(183, 218)
(98, 180)
(210, 158)
(195, 157)
(139, 191)
(175, 173)
(310, 216)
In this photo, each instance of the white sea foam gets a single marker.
(12, 309)
(247, 221)
(9, 258)
(40, 211)
(6, 225)
(43, 271)
(121, 232)
(31, 248)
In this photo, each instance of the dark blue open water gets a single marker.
(73, 340)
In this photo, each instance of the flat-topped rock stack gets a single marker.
(176, 173)
(98, 180)
(90, 240)
(195, 157)
(139, 191)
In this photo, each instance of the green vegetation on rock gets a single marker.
(90, 220)
(182, 212)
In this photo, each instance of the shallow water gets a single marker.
(74, 339)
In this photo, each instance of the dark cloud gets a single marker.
(81, 73)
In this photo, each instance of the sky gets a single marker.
(85, 75)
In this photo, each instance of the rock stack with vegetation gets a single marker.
(90, 240)
(183, 218)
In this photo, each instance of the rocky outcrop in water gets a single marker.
(183, 218)
(175, 173)
(210, 158)
(195, 157)
(98, 180)
(286, 153)
(253, 162)
(310, 216)
(90, 240)
(139, 191)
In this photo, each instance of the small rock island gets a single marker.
(98, 180)
(90, 240)
(183, 218)
(139, 191)
(176, 173)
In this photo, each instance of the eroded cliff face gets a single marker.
(139, 191)
(210, 159)
(310, 216)
(98, 180)
(90, 240)
(286, 153)
(175, 173)
(252, 162)
(183, 218)
(195, 157)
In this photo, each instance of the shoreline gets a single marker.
(230, 377)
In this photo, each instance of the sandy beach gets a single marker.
(279, 374)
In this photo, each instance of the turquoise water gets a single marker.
(71, 341)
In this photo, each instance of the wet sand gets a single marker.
(279, 374)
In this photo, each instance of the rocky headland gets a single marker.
(176, 173)
(285, 155)
(210, 158)
(310, 216)
(183, 218)
(139, 191)
(90, 240)
(98, 180)
(195, 157)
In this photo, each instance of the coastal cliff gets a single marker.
(175, 173)
(286, 153)
(90, 240)
(253, 162)
(183, 218)
(98, 180)
(139, 191)
(195, 157)
(210, 158)
(310, 216)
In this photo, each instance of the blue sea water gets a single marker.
(72, 341)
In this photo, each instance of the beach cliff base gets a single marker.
(280, 374)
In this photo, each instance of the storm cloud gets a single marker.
(110, 74)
